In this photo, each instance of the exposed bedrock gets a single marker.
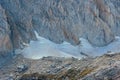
(58, 20)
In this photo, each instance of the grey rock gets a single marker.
(22, 68)
(53, 66)
(105, 74)
(5, 43)
(11, 77)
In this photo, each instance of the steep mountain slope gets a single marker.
(58, 20)
(5, 41)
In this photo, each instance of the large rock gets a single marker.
(62, 20)
(5, 42)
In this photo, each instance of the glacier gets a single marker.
(44, 47)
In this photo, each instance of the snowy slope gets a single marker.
(43, 48)
(87, 48)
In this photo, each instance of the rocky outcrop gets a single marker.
(106, 67)
(5, 41)
(59, 20)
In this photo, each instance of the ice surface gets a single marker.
(44, 47)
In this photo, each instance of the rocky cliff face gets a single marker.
(58, 20)
(5, 42)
